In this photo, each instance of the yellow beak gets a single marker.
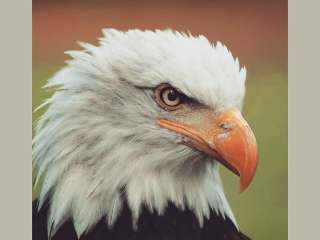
(226, 137)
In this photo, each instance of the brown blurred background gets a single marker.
(255, 31)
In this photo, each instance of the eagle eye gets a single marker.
(168, 97)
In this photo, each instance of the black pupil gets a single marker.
(172, 95)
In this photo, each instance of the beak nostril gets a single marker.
(226, 126)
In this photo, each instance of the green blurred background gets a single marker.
(255, 31)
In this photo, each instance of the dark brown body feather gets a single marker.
(175, 224)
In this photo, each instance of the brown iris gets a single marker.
(168, 97)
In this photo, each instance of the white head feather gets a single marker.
(99, 139)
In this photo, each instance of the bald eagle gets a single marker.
(131, 141)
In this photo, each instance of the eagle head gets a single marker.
(146, 116)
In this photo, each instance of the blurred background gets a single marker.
(256, 31)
